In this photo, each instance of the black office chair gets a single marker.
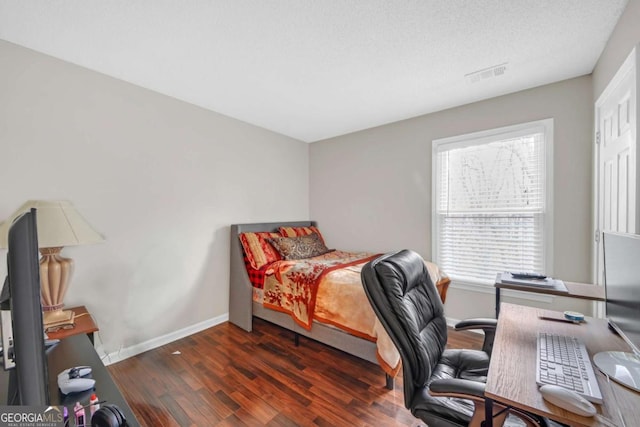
(442, 387)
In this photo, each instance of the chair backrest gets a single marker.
(408, 305)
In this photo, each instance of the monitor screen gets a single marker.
(622, 285)
(29, 382)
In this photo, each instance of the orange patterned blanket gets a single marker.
(328, 288)
(292, 286)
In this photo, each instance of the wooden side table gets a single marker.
(84, 324)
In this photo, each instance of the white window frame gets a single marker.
(484, 137)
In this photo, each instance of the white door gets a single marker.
(616, 156)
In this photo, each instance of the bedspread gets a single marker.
(292, 286)
(328, 289)
(341, 302)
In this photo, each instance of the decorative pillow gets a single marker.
(258, 250)
(256, 277)
(299, 247)
(300, 231)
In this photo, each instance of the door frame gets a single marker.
(630, 64)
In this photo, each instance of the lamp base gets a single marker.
(57, 318)
(55, 272)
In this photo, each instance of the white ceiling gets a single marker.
(317, 69)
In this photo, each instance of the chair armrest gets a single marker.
(456, 387)
(487, 325)
(479, 323)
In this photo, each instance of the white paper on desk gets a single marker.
(547, 283)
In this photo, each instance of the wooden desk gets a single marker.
(73, 351)
(84, 324)
(576, 290)
(512, 373)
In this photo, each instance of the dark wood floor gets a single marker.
(225, 376)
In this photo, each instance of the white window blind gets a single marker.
(491, 202)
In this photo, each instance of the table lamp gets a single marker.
(59, 224)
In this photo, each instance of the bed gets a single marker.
(243, 304)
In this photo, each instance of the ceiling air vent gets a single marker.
(486, 73)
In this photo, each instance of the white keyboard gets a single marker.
(564, 361)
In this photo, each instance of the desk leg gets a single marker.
(497, 302)
(488, 412)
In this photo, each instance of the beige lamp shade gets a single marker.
(59, 224)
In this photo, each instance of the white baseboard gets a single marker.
(125, 353)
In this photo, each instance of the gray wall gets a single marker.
(625, 37)
(372, 189)
(160, 178)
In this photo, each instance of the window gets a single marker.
(492, 202)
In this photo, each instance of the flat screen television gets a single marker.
(622, 287)
(22, 325)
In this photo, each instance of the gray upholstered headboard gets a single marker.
(240, 298)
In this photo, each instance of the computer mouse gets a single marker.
(568, 399)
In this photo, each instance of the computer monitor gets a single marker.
(22, 325)
(622, 287)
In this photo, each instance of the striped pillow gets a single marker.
(258, 250)
(300, 231)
